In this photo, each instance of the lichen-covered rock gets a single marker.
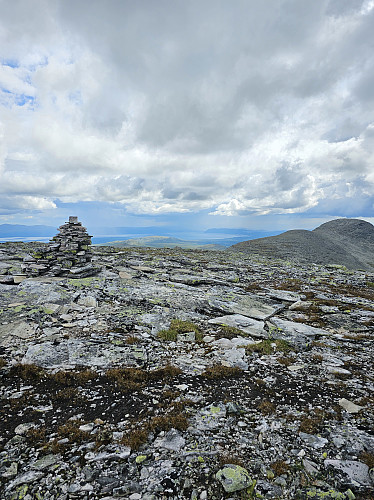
(234, 478)
(120, 411)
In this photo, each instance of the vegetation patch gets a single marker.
(27, 372)
(227, 458)
(312, 424)
(286, 361)
(267, 407)
(134, 379)
(279, 467)
(229, 332)
(71, 431)
(135, 438)
(367, 458)
(221, 371)
(167, 422)
(178, 326)
(268, 347)
(72, 378)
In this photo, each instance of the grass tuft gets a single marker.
(279, 467)
(367, 458)
(71, 431)
(267, 407)
(134, 439)
(220, 371)
(178, 326)
(27, 371)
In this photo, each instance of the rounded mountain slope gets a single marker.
(352, 229)
(356, 236)
(348, 242)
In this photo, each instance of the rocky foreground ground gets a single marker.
(187, 375)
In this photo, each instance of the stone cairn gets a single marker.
(67, 254)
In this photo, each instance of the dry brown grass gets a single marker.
(267, 407)
(27, 371)
(67, 394)
(367, 458)
(167, 422)
(36, 436)
(71, 431)
(72, 378)
(279, 467)
(220, 371)
(227, 458)
(132, 340)
(168, 372)
(311, 424)
(135, 438)
(286, 361)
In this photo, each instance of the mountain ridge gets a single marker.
(348, 242)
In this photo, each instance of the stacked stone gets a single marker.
(67, 254)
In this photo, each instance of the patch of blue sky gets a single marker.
(10, 99)
(12, 63)
(22, 99)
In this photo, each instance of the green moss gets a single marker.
(20, 492)
(140, 458)
(46, 310)
(330, 494)
(177, 327)
(19, 308)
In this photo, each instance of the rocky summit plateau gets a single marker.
(184, 374)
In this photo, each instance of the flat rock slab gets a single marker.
(19, 329)
(313, 441)
(210, 417)
(357, 472)
(124, 275)
(235, 358)
(82, 352)
(252, 306)
(349, 406)
(285, 295)
(194, 280)
(250, 326)
(120, 453)
(173, 440)
(42, 292)
(297, 334)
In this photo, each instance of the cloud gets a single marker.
(233, 108)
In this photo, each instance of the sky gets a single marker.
(242, 114)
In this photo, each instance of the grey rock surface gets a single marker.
(149, 378)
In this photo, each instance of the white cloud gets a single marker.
(233, 108)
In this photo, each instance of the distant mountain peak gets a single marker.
(348, 242)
